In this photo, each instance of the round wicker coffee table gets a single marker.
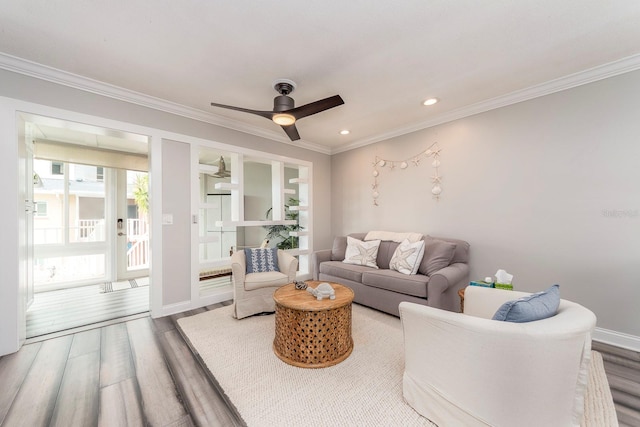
(312, 333)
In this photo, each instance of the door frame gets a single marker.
(13, 298)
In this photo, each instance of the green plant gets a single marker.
(281, 232)
(141, 192)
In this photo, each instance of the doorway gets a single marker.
(89, 233)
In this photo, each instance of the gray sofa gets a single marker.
(443, 271)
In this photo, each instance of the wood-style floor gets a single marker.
(136, 373)
(142, 373)
(65, 309)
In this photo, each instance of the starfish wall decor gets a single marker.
(432, 152)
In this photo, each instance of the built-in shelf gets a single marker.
(254, 223)
(289, 191)
(210, 265)
(298, 181)
(209, 206)
(298, 233)
(298, 208)
(208, 168)
(209, 239)
(295, 252)
(225, 186)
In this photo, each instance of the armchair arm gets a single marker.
(288, 264)
(318, 257)
(484, 302)
(465, 370)
(238, 268)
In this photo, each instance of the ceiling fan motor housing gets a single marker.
(282, 103)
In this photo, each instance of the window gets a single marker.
(99, 173)
(57, 168)
(41, 208)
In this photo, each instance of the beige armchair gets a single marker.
(469, 370)
(253, 292)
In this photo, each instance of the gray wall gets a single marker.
(547, 189)
(176, 237)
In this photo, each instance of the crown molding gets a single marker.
(43, 72)
(622, 66)
(54, 75)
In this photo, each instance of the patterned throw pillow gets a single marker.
(407, 256)
(361, 253)
(261, 260)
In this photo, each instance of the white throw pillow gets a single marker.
(361, 253)
(407, 257)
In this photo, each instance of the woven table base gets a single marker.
(312, 333)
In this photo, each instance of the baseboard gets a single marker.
(215, 297)
(618, 339)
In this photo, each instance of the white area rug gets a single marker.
(363, 390)
(124, 284)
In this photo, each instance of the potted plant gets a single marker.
(280, 233)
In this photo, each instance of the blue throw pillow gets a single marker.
(261, 260)
(533, 307)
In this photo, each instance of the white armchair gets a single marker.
(469, 370)
(253, 292)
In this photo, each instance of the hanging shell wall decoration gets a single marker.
(432, 152)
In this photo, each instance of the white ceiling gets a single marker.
(384, 58)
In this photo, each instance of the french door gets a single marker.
(131, 224)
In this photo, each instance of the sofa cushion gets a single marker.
(339, 248)
(361, 253)
(415, 284)
(261, 260)
(385, 253)
(344, 271)
(462, 249)
(536, 306)
(407, 256)
(269, 279)
(437, 255)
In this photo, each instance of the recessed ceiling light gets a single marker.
(345, 132)
(430, 101)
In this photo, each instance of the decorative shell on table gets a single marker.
(322, 291)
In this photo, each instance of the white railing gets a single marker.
(138, 237)
(85, 230)
(89, 230)
(138, 254)
(137, 227)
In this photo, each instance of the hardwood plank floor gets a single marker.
(142, 373)
(35, 402)
(70, 308)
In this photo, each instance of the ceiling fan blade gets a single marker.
(265, 114)
(292, 132)
(315, 107)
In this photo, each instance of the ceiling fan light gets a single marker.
(284, 119)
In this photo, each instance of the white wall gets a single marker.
(548, 189)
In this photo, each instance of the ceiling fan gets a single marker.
(284, 111)
(222, 170)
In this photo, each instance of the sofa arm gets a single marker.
(444, 284)
(318, 257)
